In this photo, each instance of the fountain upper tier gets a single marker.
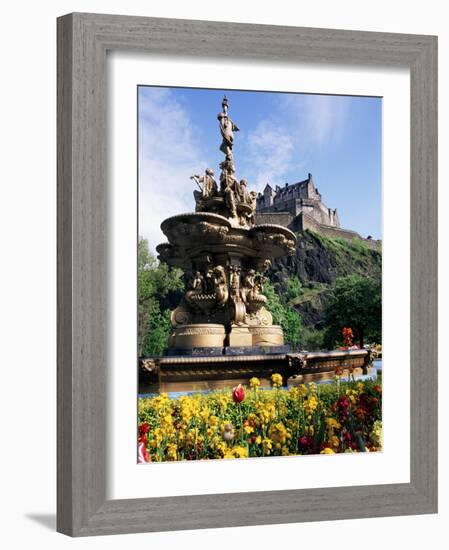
(195, 237)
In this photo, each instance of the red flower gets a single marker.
(238, 394)
(348, 336)
(144, 428)
(343, 402)
(307, 444)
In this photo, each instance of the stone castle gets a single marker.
(299, 206)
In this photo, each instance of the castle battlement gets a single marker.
(299, 206)
(297, 198)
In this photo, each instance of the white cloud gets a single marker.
(319, 119)
(168, 154)
(270, 150)
(298, 124)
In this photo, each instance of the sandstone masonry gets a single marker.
(299, 206)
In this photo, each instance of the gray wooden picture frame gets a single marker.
(83, 40)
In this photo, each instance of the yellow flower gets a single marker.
(352, 394)
(335, 442)
(327, 451)
(205, 414)
(236, 452)
(302, 390)
(254, 383)
(310, 430)
(278, 433)
(213, 421)
(332, 423)
(267, 445)
(266, 412)
(376, 434)
(310, 404)
(276, 380)
(172, 451)
(228, 454)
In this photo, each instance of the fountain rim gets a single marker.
(276, 226)
(205, 215)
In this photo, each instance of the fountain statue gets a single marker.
(223, 254)
(222, 330)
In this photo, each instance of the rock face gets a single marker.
(318, 261)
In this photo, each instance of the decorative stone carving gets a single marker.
(227, 129)
(220, 285)
(208, 188)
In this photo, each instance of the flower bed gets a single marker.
(250, 422)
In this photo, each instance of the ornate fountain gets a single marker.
(223, 254)
(222, 330)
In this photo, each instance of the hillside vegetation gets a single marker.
(313, 272)
(327, 284)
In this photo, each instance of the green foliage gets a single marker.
(284, 314)
(356, 302)
(293, 291)
(312, 339)
(356, 250)
(158, 287)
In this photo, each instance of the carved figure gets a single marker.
(208, 187)
(234, 283)
(209, 280)
(196, 286)
(248, 285)
(220, 285)
(252, 201)
(228, 185)
(227, 129)
(242, 192)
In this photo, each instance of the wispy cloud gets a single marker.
(270, 150)
(168, 154)
(298, 124)
(320, 119)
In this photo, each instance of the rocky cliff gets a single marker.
(318, 261)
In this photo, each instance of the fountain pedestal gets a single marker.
(240, 336)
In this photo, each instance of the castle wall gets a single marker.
(303, 222)
(276, 218)
(299, 207)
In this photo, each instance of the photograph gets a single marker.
(259, 274)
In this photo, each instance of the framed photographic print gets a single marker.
(247, 274)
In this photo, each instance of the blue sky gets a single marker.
(282, 138)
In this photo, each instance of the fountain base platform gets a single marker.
(191, 372)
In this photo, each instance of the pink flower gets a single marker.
(142, 454)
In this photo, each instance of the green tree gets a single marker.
(159, 287)
(284, 315)
(356, 302)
